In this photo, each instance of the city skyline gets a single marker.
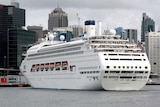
(127, 14)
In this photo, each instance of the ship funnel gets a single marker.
(89, 29)
(99, 28)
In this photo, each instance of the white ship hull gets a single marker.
(94, 77)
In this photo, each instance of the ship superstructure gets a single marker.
(92, 62)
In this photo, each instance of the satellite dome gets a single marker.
(62, 37)
(112, 32)
(54, 33)
(51, 36)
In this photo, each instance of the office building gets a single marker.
(10, 17)
(120, 31)
(132, 35)
(13, 37)
(57, 18)
(77, 30)
(19, 41)
(38, 30)
(152, 46)
(148, 25)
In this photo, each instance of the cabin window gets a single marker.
(33, 68)
(37, 67)
(146, 72)
(52, 66)
(106, 71)
(64, 65)
(57, 65)
(72, 68)
(42, 67)
(139, 72)
(47, 66)
(24, 66)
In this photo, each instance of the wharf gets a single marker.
(153, 84)
(14, 85)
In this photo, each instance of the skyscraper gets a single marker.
(120, 31)
(10, 17)
(148, 25)
(77, 30)
(18, 43)
(152, 47)
(13, 37)
(132, 35)
(38, 30)
(57, 18)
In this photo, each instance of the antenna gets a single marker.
(57, 3)
(13, 0)
(14, 3)
(78, 19)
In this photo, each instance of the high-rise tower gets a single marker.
(132, 35)
(57, 18)
(10, 17)
(13, 38)
(152, 42)
(148, 25)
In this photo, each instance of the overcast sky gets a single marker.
(112, 13)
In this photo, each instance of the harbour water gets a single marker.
(149, 96)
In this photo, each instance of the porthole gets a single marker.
(107, 66)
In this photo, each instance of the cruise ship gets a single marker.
(90, 62)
